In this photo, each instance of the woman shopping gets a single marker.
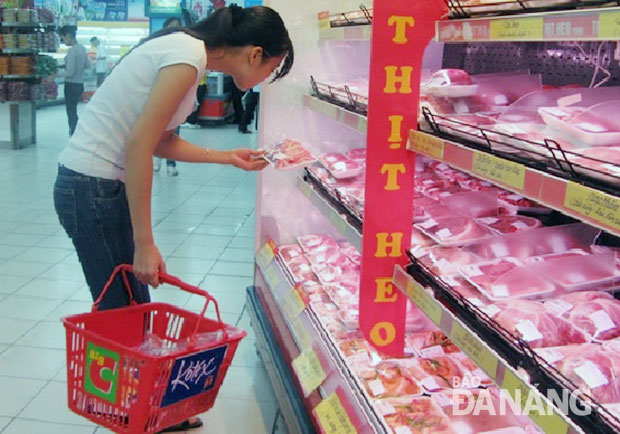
(102, 192)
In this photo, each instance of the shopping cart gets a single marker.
(118, 382)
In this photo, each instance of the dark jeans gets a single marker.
(100, 78)
(236, 96)
(251, 100)
(73, 95)
(95, 214)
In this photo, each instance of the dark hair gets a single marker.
(68, 31)
(170, 20)
(94, 39)
(234, 26)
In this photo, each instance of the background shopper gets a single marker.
(101, 62)
(76, 61)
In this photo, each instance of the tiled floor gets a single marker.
(204, 225)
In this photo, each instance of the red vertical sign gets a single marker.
(401, 31)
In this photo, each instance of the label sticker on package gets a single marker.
(430, 384)
(384, 408)
(488, 220)
(514, 197)
(613, 168)
(500, 290)
(550, 355)
(569, 100)
(520, 225)
(601, 321)
(554, 111)
(499, 249)
(444, 233)
(475, 301)
(558, 307)
(427, 224)
(491, 310)
(474, 271)
(592, 375)
(402, 430)
(376, 387)
(434, 351)
(528, 331)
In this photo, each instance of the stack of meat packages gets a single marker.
(535, 123)
(415, 394)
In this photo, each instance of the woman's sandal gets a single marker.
(183, 426)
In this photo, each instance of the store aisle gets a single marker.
(204, 226)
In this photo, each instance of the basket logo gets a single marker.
(194, 374)
(102, 368)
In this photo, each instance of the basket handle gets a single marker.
(163, 278)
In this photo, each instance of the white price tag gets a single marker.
(528, 331)
(314, 298)
(550, 355)
(384, 408)
(500, 290)
(430, 384)
(444, 233)
(475, 301)
(488, 220)
(376, 387)
(514, 197)
(592, 375)
(601, 321)
(293, 253)
(491, 310)
(402, 430)
(427, 224)
(434, 351)
(499, 249)
(569, 100)
(554, 111)
(520, 225)
(558, 307)
(613, 168)
(473, 271)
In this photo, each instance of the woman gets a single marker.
(102, 192)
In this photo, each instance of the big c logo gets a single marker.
(101, 376)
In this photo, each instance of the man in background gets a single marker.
(76, 61)
(101, 63)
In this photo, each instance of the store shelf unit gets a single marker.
(353, 120)
(576, 25)
(29, 25)
(507, 360)
(295, 320)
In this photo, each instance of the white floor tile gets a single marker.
(50, 289)
(237, 255)
(197, 266)
(242, 243)
(197, 251)
(13, 329)
(17, 393)
(46, 334)
(38, 229)
(45, 255)
(9, 252)
(72, 272)
(26, 362)
(10, 284)
(27, 240)
(209, 229)
(69, 307)
(17, 306)
(242, 269)
(22, 268)
(26, 426)
(4, 421)
(236, 416)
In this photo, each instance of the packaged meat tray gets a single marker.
(593, 368)
(301, 270)
(513, 203)
(358, 348)
(601, 162)
(415, 415)
(453, 230)
(351, 252)
(341, 166)
(357, 154)
(446, 261)
(316, 243)
(530, 321)
(594, 312)
(580, 273)
(436, 372)
(449, 83)
(419, 242)
(429, 343)
(469, 292)
(506, 224)
(290, 154)
(332, 273)
(330, 255)
(472, 127)
(387, 379)
(593, 126)
(290, 252)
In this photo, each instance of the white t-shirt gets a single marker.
(101, 62)
(97, 147)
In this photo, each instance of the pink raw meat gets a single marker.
(602, 158)
(316, 242)
(289, 154)
(331, 255)
(596, 372)
(593, 123)
(518, 317)
(448, 77)
(599, 316)
(506, 224)
(456, 230)
(490, 272)
(341, 166)
(358, 154)
(290, 252)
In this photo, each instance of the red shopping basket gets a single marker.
(118, 385)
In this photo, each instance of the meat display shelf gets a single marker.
(351, 119)
(601, 24)
(596, 207)
(19, 51)
(328, 375)
(34, 25)
(497, 357)
(350, 33)
(327, 207)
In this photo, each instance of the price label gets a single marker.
(427, 144)
(500, 170)
(265, 255)
(308, 368)
(362, 124)
(292, 304)
(547, 419)
(338, 222)
(424, 301)
(329, 110)
(272, 278)
(332, 416)
(517, 29)
(324, 20)
(599, 207)
(609, 25)
(474, 348)
(301, 334)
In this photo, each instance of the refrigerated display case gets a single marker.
(514, 232)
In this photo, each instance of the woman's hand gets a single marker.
(147, 264)
(248, 159)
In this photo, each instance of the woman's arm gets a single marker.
(172, 84)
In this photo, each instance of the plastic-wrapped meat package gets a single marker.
(324, 309)
(342, 296)
(417, 321)
(506, 278)
(351, 252)
(475, 204)
(341, 166)
(466, 290)
(429, 343)
(316, 243)
(427, 184)
(594, 312)
(506, 224)
(435, 372)
(513, 203)
(357, 348)
(331, 273)
(311, 287)
(443, 193)
(579, 273)
(556, 116)
(357, 154)
(453, 230)
(474, 184)
(331, 255)
(339, 332)
(473, 375)
(419, 242)
(386, 380)
(530, 321)
(354, 197)
(350, 317)
(599, 162)
(290, 252)
(289, 154)
(445, 261)
(485, 415)
(301, 270)
(467, 126)
(320, 173)
(415, 415)
(441, 106)
(449, 83)
(593, 368)
(594, 126)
